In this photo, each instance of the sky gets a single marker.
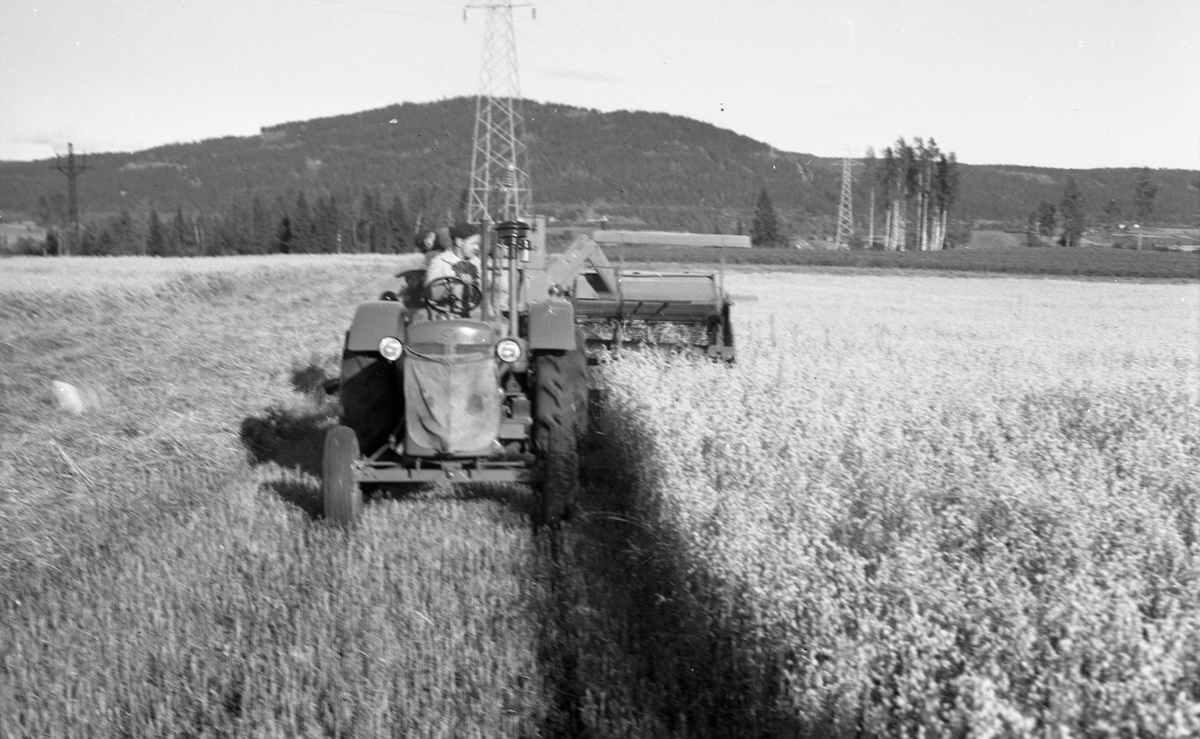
(1055, 83)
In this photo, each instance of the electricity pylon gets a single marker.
(499, 163)
(845, 226)
(72, 171)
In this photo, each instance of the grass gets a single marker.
(161, 572)
(953, 507)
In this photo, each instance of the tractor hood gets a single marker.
(452, 399)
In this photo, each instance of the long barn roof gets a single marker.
(669, 238)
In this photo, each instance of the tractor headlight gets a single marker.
(391, 348)
(508, 350)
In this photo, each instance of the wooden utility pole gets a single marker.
(72, 171)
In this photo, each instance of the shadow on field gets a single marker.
(627, 650)
(293, 440)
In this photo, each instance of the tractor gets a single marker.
(487, 381)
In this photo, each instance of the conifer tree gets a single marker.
(945, 189)
(1111, 213)
(260, 228)
(177, 240)
(238, 231)
(1046, 216)
(764, 230)
(283, 235)
(302, 227)
(325, 225)
(888, 180)
(1071, 209)
(156, 241)
(398, 225)
(1143, 197)
(124, 239)
(281, 240)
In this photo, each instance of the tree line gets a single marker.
(373, 222)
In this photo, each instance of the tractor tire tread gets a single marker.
(341, 497)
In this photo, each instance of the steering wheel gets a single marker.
(452, 296)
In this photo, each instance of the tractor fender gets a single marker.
(552, 324)
(373, 321)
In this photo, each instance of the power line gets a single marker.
(691, 82)
(599, 75)
(72, 171)
(845, 225)
(391, 11)
(498, 156)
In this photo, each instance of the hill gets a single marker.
(637, 168)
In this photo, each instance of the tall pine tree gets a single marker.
(1143, 197)
(260, 228)
(156, 241)
(302, 227)
(764, 230)
(401, 230)
(177, 241)
(1071, 209)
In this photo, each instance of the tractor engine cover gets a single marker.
(451, 397)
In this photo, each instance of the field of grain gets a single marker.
(916, 506)
(1007, 260)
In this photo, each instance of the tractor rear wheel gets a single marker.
(371, 397)
(554, 436)
(339, 491)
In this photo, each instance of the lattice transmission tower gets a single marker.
(500, 186)
(845, 226)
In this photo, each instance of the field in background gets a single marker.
(1153, 239)
(914, 502)
(995, 240)
(23, 276)
(1097, 262)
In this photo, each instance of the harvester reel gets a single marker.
(452, 296)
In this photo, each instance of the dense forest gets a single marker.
(365, 181)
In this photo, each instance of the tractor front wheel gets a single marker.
(339, 491)
(555, 423)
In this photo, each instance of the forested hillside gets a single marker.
(640, 169)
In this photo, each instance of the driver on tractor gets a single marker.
(453, 275)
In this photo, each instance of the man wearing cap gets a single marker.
(460, 261)
(443, 263)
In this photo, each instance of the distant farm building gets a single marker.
(669, 238)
